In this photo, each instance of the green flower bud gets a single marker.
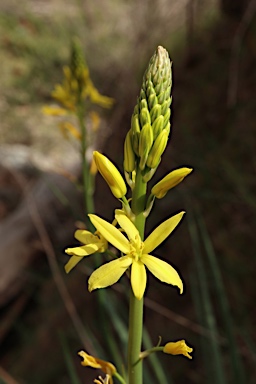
(129, 155)
(152, 101)
(136, 133)
(155, 112)
(111, 175)
(144, 117)
(167, 117)
(145, 144)
(143, 103)
(158, 126)
(157, 150)
(171, 180)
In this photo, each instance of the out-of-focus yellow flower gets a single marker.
(93, 243)
(170, 181)
(111, 175)
(93, 362)
(97, 98)
(178, 348)
(95, 119)
(66, 127)
(135, 254)
(73, 90)
(54, 111)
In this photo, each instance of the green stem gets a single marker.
(119, 378)
(135, 372)
(87, 177)
(149, 351)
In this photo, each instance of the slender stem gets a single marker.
(87, 177)
(119, 378)
(135, 371)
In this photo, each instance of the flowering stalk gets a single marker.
(136, 306)
(143, 148)
(76, 94)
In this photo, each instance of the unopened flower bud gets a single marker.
(129, 155)
(155, 112)
(145, 144)
(144, 117)
(171, 180)
(158, 126)
(111, 175)
(152, 112)
(157, 149)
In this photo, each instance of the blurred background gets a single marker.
(46, 317)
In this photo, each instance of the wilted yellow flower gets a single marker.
(135, 254)
(94, 362)
(93, 243)
(103, 381)
(169, 181)
(178, 348)
(111, 175)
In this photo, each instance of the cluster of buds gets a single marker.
(150, 125)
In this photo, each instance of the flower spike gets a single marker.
(152, 114)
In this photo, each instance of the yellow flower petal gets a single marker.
(126, 224)
(161, 232)
(73, 261)
(84, 250)
(138, 279)
(85, 237)
(178, 348)
(109, 273)
(162, 270)
(54, 111)
(67, 127)
(110, 233)
(79, 252)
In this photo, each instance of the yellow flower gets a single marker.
(67, 127)
(111, 175)
(178, 348)
(93, 243)
(169, 181)
(54, 111)
(96, 97)
(136, 254)
(94, 362)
